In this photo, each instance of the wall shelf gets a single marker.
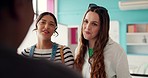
(138, 33)
(137, 44)
(137, 39)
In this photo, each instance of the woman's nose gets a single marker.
(88, 26)
(47, 26)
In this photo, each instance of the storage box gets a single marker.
(131, 28)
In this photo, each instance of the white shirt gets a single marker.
(46, 54)
(116, 64)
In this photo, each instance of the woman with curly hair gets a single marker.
(45, 48)
(97, 55)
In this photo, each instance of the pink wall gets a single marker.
(50, 6)
(74, 35)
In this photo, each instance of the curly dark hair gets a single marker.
(97, 59)
(42, 15)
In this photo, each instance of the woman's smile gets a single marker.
(87, 32)
(45, 31)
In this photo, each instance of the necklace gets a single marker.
(90, 51)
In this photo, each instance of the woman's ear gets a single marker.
(55, 29)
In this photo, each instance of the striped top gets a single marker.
(46, 54)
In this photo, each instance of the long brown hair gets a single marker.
(97, 59)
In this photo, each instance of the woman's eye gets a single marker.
(94, 24)
(85, 21)
(51, 24)
(42, 22)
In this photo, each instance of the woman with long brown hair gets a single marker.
(97, 55)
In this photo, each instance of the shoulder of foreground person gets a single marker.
(55, 70)
(16, 66)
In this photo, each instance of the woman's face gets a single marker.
(46, 27)
(91, 26)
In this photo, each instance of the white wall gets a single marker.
(138, 64)
(114, 30)
(42, 6)
(29, 40)
(62, 38)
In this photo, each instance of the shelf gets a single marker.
(137, 44)
(137, 39)
(138, 53)
(137, 33)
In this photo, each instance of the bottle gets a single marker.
(144, 39)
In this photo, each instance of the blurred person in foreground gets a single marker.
(16, 16)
